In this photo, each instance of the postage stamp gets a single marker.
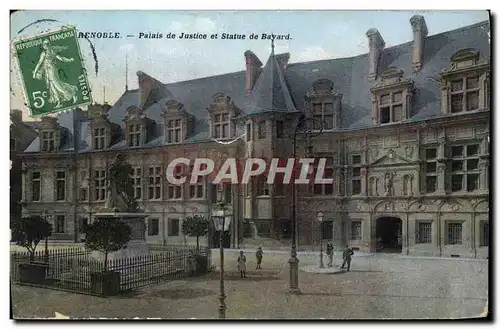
(52, 71)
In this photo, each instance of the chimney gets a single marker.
(283, 60)
(419, 33)
(253, 65)
(146, 84)
(17, 114)
(376, 44)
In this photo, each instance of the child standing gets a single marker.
(242, 266)
(259, 254)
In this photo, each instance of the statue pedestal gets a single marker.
(137, 246)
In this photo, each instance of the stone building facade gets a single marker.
(405, 130)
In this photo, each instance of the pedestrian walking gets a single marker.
(329, 252)
(258, 255)
(346, 255)
(242, 264)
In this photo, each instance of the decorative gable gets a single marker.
(137, 126)
(391, 159)
(325, 105)
(221, 112)
(102, 130)
(465, 84)
(178, 122)
(392, 97)
(50, 135)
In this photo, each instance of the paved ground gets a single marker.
(380, 286)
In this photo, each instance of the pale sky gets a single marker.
(315, 35)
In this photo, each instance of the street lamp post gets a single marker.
(219, 220)
(320, 220)
(293, 261)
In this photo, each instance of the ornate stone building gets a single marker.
(405, 130)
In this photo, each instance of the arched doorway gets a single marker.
(389, 232)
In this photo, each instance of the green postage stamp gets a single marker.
(52, 71)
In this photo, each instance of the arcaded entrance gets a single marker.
(389, 231)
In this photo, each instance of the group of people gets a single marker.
(346, 256)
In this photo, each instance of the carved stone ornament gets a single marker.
(405, 205)
(438, 202)
(363, 172)
(374, 153)
(358, 207)
(389, 206)
(422, 207)
(455, 207)
(409, 151)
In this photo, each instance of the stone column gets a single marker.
(441, 166)
(364, 181)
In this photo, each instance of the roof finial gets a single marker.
(272, 46)
(126, 70)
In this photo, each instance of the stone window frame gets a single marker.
(170, 226)
(466, 162)
(48, 140)
(457, 237)
(154, 182)
(262, 129)
(430, 169)
(423, 238)
(222, 105)
(137, 182)
(324, 101)
(483, 241)
(351, 232)
(355, 177)
(392, 82)
(174, 130)
(263, 188)
(175, 191)
(134, 135)
(57, 224)
(323, 189)
(99, 137)
(322, 119)
(35, 180)
(60, 176)
(465, 64)
(99, 185)
(153, 226)
(194, 189)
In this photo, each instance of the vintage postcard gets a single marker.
(250, 164)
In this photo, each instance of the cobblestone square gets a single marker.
(378, 287)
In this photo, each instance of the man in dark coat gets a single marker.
(346, 255)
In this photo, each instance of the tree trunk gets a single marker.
(32, 256)
(197, 243)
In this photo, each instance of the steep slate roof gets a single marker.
(270, 92)
(285, 91)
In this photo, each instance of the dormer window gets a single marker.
(174, 131)
(134, 135)
(323, 116)
(325, 105)
(465, 85)
(391, 107)
(221, 112)
(221, 125)
(99, 138)
(391, 98)
(48, 141)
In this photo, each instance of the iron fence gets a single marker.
(74, 269)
